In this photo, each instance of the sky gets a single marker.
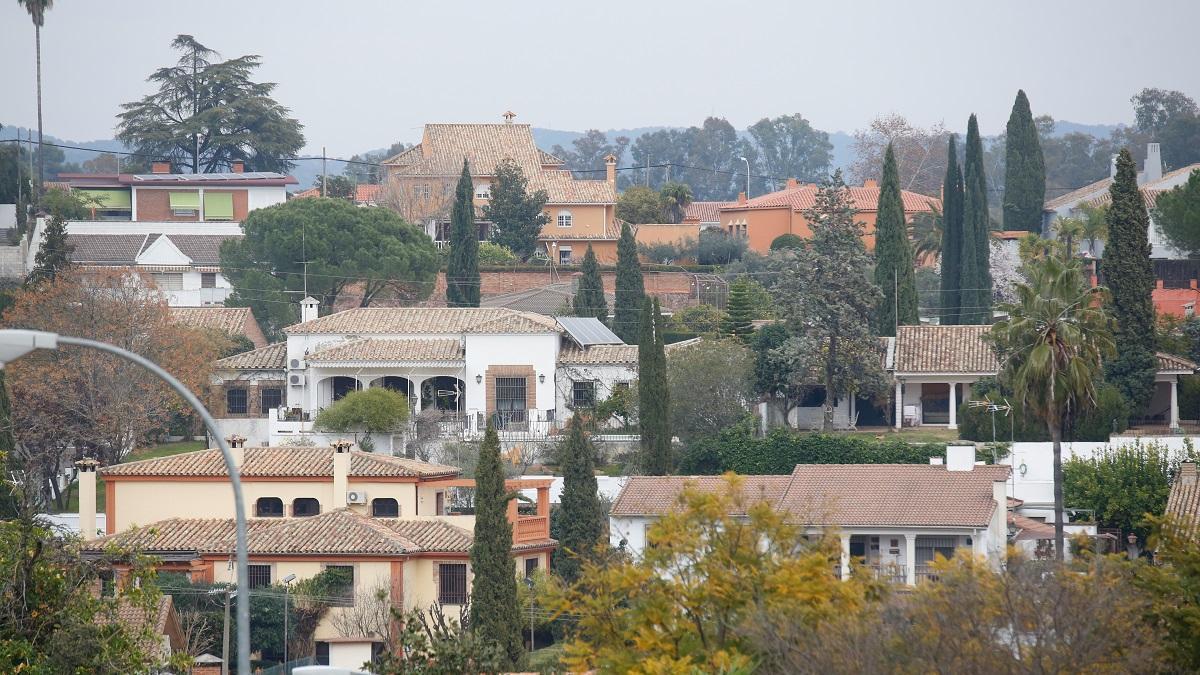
(360, 75)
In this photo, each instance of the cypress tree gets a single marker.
(1129, 275)
(1024, 170)
(952, 223)
(582, 515)
(55, 254)
(739, 312)
(462, 269)
(894, 272)
(629, 288)
(976, 280)
(654, 407)
(495, 614)
(589, 290)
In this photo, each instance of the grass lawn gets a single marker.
(163, 450)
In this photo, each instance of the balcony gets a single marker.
(533, 526)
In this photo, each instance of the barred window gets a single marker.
(235, 401)
(452, 586)
(583, 394)
(510, 399)
(270, 398)
(258, 576)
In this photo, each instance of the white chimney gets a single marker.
(237, 448)
(309, 307)
(960, 457)
(1152, 170)
(87, 497)
(341, 470)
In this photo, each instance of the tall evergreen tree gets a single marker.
(976, 279)
(55, 254)
(495, 614)
(1024, 170)
(462, 268)
(952, 224)
(582, 515)
(894, 274)
(631, 293)
(1129, 275)
(589, 297)
(515, 213)
(739, 312)
(654, 405)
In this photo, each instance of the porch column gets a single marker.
(899, 404)
(953, 407)
(845, 556)
(1175, 403)
(416, 394)
(910, 559)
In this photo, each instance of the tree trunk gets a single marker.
(1056, 439)
(827, 409)
(37, 37)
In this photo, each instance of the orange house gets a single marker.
(762, 219)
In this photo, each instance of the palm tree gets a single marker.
(1095, 225)
(676, 197)
(1051, 345)
(37, 12)
(1068, 231)
(926, 233)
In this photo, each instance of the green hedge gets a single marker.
(975, 424)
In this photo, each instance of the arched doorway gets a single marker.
(400, 385)
(442, 393)
(341, 385)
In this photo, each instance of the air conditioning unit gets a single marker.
(296, 380)
(356, 497)
(296, 364)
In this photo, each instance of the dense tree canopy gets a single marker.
(515, 213)
(630, 291)
(1177, 214)
(894, 273)
(950, 288)
(583, 517)
(589, 297)
(788, 146)
(1024, 170)
(462, 267)
(587, 152)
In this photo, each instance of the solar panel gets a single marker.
(190, 177)
(588, 331)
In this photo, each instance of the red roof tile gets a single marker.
(804, 197)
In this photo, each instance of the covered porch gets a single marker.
(930, 401)
(903, 557)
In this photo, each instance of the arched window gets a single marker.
(385, 507)
(303, 507)
(565, 219)
(268, 507)
(343, 385)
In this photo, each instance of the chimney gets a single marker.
(960, 457)
(341, 469)
(610, 166)
(508, 116)
(741, 198)
(870, 183)
(792, 183)
(87, 497)
(1152, 169)
(160, 167)
(237, 166)
(309, 309)
(237, 448)
(1112, 166)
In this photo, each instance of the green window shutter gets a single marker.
(115, 199)
(185, 200)
(218, 206)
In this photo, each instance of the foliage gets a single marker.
(920, 152)
(336, 187)
(583, 517)
(462, 269)
(654, 393)
(1177, 213)
(207, 114)
(893, 255)
(495, 615)
(589, 297)
(630, 292)
(1121, 485)
(1129, 274)
(515, 213)
(639, 204)
(789, 146)
(739, 312)
(675, 198)
(975, 280)
(428, 643)
(54, 256)
(1189, 397)
(1109, 415)
(1154, 108)
(495, 254)
(589, 151)
(1175, 589)
(786, 241)
(374, 410)
(710, 385)
(952, 236)
(14, 174)
(716, 247)
(1024, 170)
(699, 319)
(364, 253)
(713, 146)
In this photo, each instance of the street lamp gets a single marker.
(16, 343)
(747, 176)
(287, 581)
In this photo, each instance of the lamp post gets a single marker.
(747, 176)
(16, 343)
(287, 585)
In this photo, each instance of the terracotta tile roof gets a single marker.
(1026, 529)
(426, 321)
(656, 495)
(364, 193)
(1098, 194)
(1183, 505)
(203, 249)
(375, 349)
(892, 494)
(548, 300)
(271, 357)
(137, 619)
(563, 188)
(340, 531)
(431, 535)
(283, 462)
(1149, 196)
(625, 355)
(804, 197)
(227, 320)
(1172, 362)
(704, 212)
(1077, 195)
(549, 159)
(944, 349)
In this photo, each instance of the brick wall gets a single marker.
(511, 371)
(155, 205)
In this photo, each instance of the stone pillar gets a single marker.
(845, 556)
(910, 559)
(953, 407)
(899, 404)
(1175, 403)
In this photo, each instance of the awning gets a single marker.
(181, 201)
(218, 205)
(114, 199)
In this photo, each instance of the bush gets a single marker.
(696, 319)
(1111, 415)
(1189, 397)
(491, 253)
(786, 241)
(375, 410)
(718, 248)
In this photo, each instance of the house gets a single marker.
(365, 194)
(762, 219)
(579, 211)
(704, 214)
(894, 518)
(162, 621)
(229, 321)
(935, 366)
(392, 524)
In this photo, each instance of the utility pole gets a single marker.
(668, 172)
(896, 300)
(647, 169)
(225, 642)
(324, 171)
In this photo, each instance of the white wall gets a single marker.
(258, 197)
(608, 487)
(537, 351)
(605, 376)
(8, 215)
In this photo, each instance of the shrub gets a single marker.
(491, 253)
(696, 319)
(718, 248)
(786, 241)
(1111, 415)
(376, 410)
(1189, 397)
(782, 449)
(975, 424)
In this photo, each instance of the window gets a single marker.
(208, 280)
(422, 191)
(268, 507)
(452, 583)
(483, 191)
(564, 255)
(342, 584)
(258, 576)
(303, 507)
(565, 219)
(583, 394)
(510, 399)
(168, 281)
(269, 399)
(385, 507)
(235, 401)
(218, 206)
(184, 204)
(322, 653)
(531, 566)
(343, 385)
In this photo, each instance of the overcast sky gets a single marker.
(360, 75)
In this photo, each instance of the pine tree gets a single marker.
(1024, 170)
(976, 279)
(1129, 275)
(739, 312)
(55, 254)
(515, 213)
(654, 406)
(462, 269)
(952, 224)
(629, 288)
(495, 614)
(894, 272)
(589, 297)
(582, 515)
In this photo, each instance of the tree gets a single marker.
(638, 205)
(789, 146)
(589, 297)
(919, 152)
(374, 410)
(590, 149)
(462, 269)
(363, 254)
(54, 256)
(516, 215)
(494, 254)
(630, 293)
(952, 237)
(208, 114)
(37, 12)
(1051, 345)
(335, 187)
(1095, 225)
(1121, 485)
(1177, 213)
(654, 397)
(675, 198)
(1154, 108)
(710, 385)
(1129, 274)
(429, 643)
(827, 303)
(583, 517)
(975, 290)
(739, 314)
(495, 615)
(1024, 170)
(893, 255)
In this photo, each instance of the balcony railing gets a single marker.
(891, 573)
(927, 573)
(531, 528)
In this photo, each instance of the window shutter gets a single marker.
(181, 201)
(218, 206)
